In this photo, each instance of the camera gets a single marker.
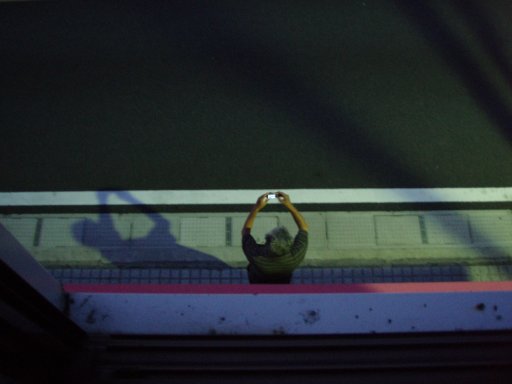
(271, 196)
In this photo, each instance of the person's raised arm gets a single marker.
(299, 219)
(260, 204)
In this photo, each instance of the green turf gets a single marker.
(253, 94)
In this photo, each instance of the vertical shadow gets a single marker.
(478, 18)
(453, 51)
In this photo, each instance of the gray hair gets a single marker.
(278, 241)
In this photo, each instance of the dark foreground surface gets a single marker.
(234, 95)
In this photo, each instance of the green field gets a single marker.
(233, 95)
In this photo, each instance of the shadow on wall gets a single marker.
(157, 248)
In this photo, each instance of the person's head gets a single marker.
(278, 241)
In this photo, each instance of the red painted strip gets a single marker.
(291, 289)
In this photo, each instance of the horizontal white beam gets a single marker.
(267, 314)
(249, 196)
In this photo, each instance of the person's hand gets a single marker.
(262, 201)
(284, 198)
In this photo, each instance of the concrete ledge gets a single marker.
(336, 238)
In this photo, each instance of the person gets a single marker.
(274, 261)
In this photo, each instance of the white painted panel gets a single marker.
(447, 229)
(62, 232)
(490, 229)
(267, 314)
(398, 229)
(23, 229)
(349, 229)
(203, 231)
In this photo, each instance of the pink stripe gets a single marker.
(291, 289)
